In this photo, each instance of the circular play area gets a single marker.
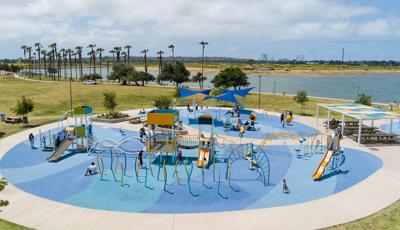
(185, 161)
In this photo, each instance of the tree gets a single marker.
(79, 53)
(199, 78)
(123, 72)
(203, 44)
(144, 77)
(172, 47)
(93, 56)
(230, 77)
(128, 51)
(301, 98)
(175, 72)
(363, 99)
(3, 184)
(38, 49)
(109, 101)
(145, 51)
(24, 106)
(100, 52)
(162, 102)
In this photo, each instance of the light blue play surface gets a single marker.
(64, 181)
(267, 124)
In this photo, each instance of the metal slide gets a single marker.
(60, 150)
(322, 166)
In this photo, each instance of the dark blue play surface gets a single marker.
(265, 123)
(64, 181)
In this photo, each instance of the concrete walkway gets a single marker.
(369, 196)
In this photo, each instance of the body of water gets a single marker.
(382, 87)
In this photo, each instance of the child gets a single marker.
(140, 159)
(283, 120)
(91, 169)
(180, 156)
(32, 140)
(285, 188)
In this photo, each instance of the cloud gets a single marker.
(111, 22)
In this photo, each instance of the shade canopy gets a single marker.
(362, 112)
(228, 96)
(240, 92)
(187, 92)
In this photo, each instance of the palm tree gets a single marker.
(75, 64)
(53, 48)
(118, 52)
(23, 47)
(38, 49)
(63, 61)
(29, 50)
(69, 52)
(145, 59)
(79, 53)
(124, 54)
(128, 50)
(44, 53)
(100, 52)
(160, 53)
(203, 44)
(58, 65)
(93, 53)
(172, 47)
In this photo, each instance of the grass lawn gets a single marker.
(52, 100)
(388, 218)
(6, 225)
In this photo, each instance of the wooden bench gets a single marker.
(13, 120)
(379, 137)
(135, 120)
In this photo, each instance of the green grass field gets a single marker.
(6, 225)
(52, 100)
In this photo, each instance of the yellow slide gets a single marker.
(60, 150)
(204, 157)
(321, 167)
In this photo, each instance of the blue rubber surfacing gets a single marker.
(63, 181)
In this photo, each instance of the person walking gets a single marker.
(32, 140)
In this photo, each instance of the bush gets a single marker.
(109, 101)
(301, 98)
(363, 99)
(162, 102)
(24, 106)
(92, 77)
(115, 115)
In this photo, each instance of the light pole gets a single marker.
(203, 44)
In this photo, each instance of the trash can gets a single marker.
(2, 117)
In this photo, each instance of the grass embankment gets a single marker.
(388, 218)
(6, 225)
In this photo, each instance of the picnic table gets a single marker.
(134, 120)
(2, 133)
(13, 120)
(379, 137)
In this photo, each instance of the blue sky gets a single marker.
(315, 29)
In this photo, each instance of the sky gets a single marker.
(313, 29)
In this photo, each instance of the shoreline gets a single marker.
(294, 73)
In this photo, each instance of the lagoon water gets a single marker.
(382, 87)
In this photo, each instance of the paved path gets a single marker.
(369, 196)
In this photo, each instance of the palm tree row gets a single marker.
(52, 61)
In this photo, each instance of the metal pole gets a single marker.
(70, 93)
(317, 114)
(329, 119)
(259, 92)
(342, 124)
(359, 131)
(391, 126)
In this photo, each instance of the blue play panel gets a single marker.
(64, 181)
(265, 124)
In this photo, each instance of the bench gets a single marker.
(376, 138)
(135, 120)
(13, 120)
(2, 133)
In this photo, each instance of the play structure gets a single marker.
(74, 136)
(310, 145)
(332, 159)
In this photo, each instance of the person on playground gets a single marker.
(91, 169)
(285, 188)
(32, 140)
(283, 120)
(142, 132)
(140, 159)
(197, 107)
(180, 156)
